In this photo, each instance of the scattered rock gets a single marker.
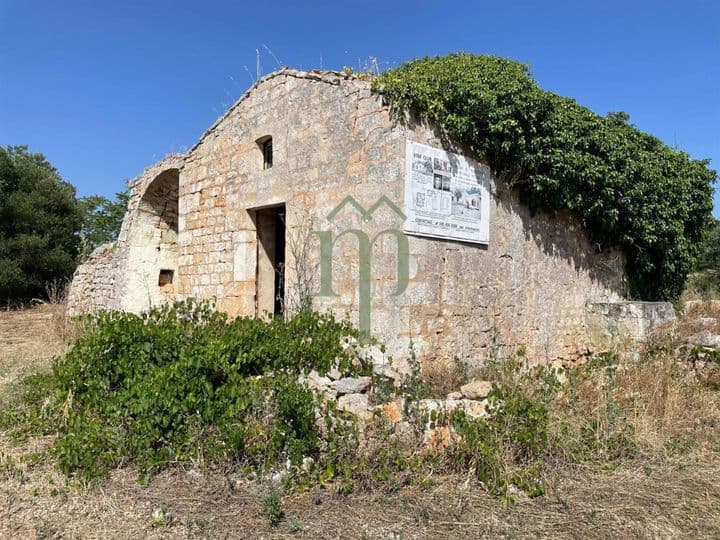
(707, 321)
(393, 411)
(316, 381)
(334, 373)
(352, 385)
(438, 407)
(384, 370)
(439, 438)
(559, 369)
(373, 355)
(474, 409)
(454, 396)
(320, 384)
(162, 516)
(354, 403)
(705, 339)
(476, 389)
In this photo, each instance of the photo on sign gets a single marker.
(467, 202)
(442, 165)
(441, 182)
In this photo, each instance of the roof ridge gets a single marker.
(323, 75)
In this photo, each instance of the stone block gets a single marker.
(476, 389)
(352, 385)
(353, 403)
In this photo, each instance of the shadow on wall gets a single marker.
(560, 235)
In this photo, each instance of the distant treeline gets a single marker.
(45, 230)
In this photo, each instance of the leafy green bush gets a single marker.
(710, 249)
(183, 383)
(273, 507)
(503, 449)
(706, 284)
(101, 220)
(628, 189)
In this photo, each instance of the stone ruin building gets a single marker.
(303, 186)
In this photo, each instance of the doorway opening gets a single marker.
(270, 279)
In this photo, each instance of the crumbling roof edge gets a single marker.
(326, 76)
(174, 160)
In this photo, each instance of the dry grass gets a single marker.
(702, 286)
(632, 502)
(28, 340)
(670, 489)
(668, 412)
(444, 376)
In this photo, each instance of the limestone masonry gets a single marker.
(241, 216)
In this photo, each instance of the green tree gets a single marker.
(101, 220)
(39, 225)
(627, 188)
(710, 250)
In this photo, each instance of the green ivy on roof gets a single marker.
(627, 188)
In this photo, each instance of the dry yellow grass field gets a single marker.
(657, 495)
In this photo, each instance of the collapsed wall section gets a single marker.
(138, 270)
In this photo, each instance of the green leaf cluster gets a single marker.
(183, 384)
(710, 251)
(101, 219)
(628, 189)
(39, 225)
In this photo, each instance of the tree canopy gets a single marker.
(628, 189)
(710, 250)
(101, 220)
(39, 225)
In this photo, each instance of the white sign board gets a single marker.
(446, 195)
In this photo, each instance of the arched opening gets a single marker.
(153, 244)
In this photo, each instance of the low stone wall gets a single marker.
(625, 324)
(94, 285)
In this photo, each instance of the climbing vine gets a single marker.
(627, 188)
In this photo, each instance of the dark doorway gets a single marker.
(270, 294)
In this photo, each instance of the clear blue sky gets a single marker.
(104, 88)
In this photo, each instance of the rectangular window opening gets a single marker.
(165, 277)
(267, 151)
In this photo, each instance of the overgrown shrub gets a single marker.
(627, 188)
(505, 448)
(272, 506)
(704, 284)
(182, 383)
(710, 250)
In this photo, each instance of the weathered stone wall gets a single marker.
(94, 286)
(333, 138)
(613, 325)
(124, 275)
